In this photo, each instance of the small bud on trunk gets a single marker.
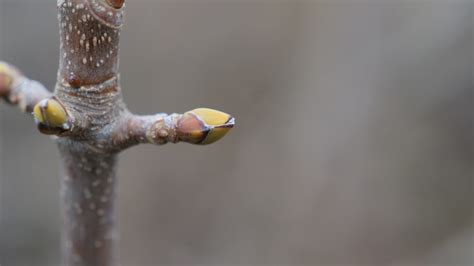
(116, 3)
(51, 116)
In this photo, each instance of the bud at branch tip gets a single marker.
(5, 79)
(204, 126)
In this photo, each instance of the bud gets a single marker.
(52, 114)
(5, 79)
(204, 126)
(116, 3)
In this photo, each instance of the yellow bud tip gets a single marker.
(212, 117)
(5, 78)
(4, 68)
(218, 124)
(51, 113)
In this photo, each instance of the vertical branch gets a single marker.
(88, 89)
(93, 124)
(88, 196)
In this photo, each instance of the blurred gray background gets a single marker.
(354, 140)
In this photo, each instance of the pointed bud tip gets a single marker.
(5, 78)
(212, 117)
(3, 67)
(204, 126)
(50, 112)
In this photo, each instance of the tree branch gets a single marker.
(18, 90)
(88, 115)
(200, 126)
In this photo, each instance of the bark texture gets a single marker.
(88, 211)
(89, 90)
(87, 114)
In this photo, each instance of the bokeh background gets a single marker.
(354, 141)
